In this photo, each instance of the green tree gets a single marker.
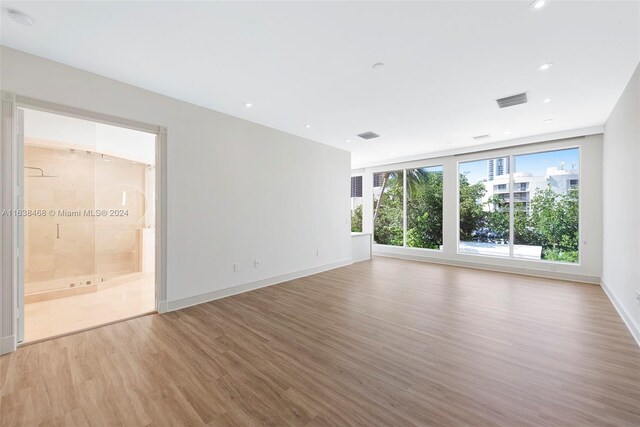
(424, 208)
(356, 219)
(472, 215)
(554, 219)
(524, 231)
(497, 218)
(387, 226)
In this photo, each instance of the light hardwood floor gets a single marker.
(386, 342)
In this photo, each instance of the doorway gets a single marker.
(88, 224)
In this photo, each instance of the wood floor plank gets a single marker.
(382, 342)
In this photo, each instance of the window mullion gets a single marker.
(511, 206)
(404, 207)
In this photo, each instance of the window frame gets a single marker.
(512, 153)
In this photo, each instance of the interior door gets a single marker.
(19, 223)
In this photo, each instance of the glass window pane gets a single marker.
(424, 207)
(484, 207)
(546, 205)
(356, 204)
(388, 194)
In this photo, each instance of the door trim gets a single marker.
(9, 232)
(8, 227)
(19, 223)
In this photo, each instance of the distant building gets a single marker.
(562, 180)
(356, 192)
(525, 183)
(497, 167)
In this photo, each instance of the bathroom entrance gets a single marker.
(88, 224)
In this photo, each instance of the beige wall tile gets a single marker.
(87, 245)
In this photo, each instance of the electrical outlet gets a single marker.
(236, 267)
(256, 263)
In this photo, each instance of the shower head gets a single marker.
(42, 175)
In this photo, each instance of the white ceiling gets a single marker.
(310, 63)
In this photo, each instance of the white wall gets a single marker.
(621, 178)
(589, 268)
(237, 191)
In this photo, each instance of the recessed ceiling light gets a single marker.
(545, 66)
(547, 100)
(378, 66)
(20, 17)
(248, 104)
(307, 126)
(506, 132)
(548, 120)
(347, 140)
(392, 153)
(538, 4)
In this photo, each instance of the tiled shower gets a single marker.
(91, 220)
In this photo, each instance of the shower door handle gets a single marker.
(58, 231)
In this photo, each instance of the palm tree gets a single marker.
(385, 178)
(414, 178)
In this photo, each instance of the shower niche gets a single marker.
(90, 222)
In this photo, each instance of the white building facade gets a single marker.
(560, 180)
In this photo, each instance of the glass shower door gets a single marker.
(125, 233)
(59, 250)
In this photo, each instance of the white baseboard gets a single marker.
(493, 267)
(632, 325)
(223, 293)
(162, 306)
(7, 344)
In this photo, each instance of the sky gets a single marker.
(536, 163)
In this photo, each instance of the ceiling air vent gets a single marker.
(368, 135)
(481, 137)
(510, 101)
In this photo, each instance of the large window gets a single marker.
(546, 217)
(411, 218)
(356, 204)
(388, 201)
(424, 207)
(523, 206)
(484, 207)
